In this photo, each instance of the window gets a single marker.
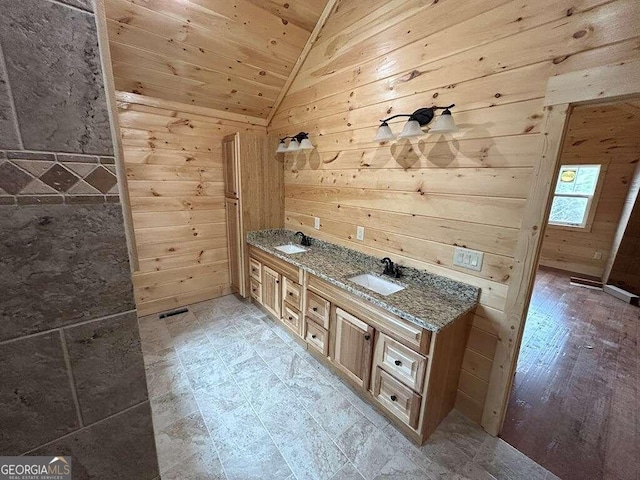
(573, 196)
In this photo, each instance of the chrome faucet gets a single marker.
(304, 240)
(390, 268)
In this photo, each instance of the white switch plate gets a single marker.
(360, 233)
(316, 223)
(465, 258)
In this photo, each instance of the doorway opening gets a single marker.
(573, 406)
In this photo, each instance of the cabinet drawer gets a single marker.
(255, 269)
(255, 290)
(292, 319)
(398, 399)
(284, 268)
(403, 363)
(317, 337)
(318, 309)
(291, 293)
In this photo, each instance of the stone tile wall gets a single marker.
(71, 370)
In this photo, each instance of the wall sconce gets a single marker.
(298, 142)
(417, 120)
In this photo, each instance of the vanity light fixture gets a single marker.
(417, 120)
(297, 142)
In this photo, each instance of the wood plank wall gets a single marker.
(174, 168)
(608, 135)
(417, 199)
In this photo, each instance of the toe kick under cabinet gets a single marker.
(409, 373)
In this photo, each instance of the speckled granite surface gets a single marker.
(430, 301)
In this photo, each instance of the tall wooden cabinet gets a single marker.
(234, 241)
(230, 149)
(254, 191)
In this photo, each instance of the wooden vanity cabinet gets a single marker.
(352, 347)
(271, 291)
(409, 373)
(279, 288)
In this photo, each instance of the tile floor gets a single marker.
(235, 397)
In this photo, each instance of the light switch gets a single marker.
(466, 258)
(360, 233)
(316, 223)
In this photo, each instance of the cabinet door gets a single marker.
(271, 297)
(352, 349)
(234, 239)
(230, 166)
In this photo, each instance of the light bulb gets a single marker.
(411, 129)
(444, 124)
(306, 144)
(384, 133)
(294, 146)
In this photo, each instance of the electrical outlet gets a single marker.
(465, 258)
(316, 223)
(597, 255)
(360, 233)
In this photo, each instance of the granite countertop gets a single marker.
(429, 301)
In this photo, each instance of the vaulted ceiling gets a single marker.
(230, 55)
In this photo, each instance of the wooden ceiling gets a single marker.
(229, 55)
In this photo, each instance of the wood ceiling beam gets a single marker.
(184, 107)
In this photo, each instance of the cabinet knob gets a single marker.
(277, 281)
(290, 317)
(398, 362)
(313, 336)
(315, 309)
(291, 293)
(393, 398)
(367, 336)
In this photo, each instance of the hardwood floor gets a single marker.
(574, 406)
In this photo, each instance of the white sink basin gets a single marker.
(376, 284)
(291, 249)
